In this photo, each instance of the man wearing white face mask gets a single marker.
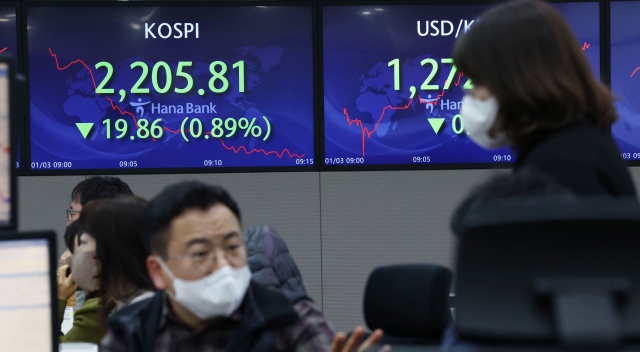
(209, 302)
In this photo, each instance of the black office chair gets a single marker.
(556, 272)
(409, 302)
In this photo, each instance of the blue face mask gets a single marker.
(81, 297)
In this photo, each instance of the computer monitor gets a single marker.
(625, 73)
(28, 320)
(7, 175)
(230, 87)
(392, 95)
(9, 42)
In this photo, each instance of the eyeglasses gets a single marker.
(70, 213)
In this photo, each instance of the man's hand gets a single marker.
(355, 344)
(66, 286)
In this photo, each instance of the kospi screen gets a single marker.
(625, 76)
(391, 92)
(170, 87)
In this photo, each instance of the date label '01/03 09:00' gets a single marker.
(51, 165)
(340, 161)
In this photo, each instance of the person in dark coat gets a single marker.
(534, 91)
(271, 263)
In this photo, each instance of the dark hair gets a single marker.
(115, 225)
(72, 234)
(524, 52)
(172, 202)
(99, 187)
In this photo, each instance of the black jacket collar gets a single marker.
(262, 309)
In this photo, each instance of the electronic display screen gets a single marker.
(8, 35)
(5, 146)
(391, 92)
(625, 77)
(25, 300)
(9, 42)
(170, 87)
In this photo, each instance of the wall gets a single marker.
(339, 225)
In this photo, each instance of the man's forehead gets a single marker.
(217, 220)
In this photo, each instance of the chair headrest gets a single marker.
(548, 210)
(520, 266)
(409, 300)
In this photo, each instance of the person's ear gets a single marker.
(155, 272)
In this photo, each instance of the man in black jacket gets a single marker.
(208, 301)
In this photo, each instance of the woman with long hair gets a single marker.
(111, 254)
(533, 90)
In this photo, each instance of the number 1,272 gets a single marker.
(426, 85)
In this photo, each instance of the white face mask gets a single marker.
(218, 294)
(478, 116)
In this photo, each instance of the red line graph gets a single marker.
(5, 49)
(459, 77)
(113, 105)
(634, 71)
(135, 121)
(365, 130)
(585, 46)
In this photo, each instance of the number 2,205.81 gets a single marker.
(218, 83)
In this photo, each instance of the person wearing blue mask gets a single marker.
(534, 91)
(207, 299)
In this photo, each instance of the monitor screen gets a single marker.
(170, 87)
(8, 35)
(625, 76)
(9, 43)
(392, 95)
(5, 147)
(25, 298)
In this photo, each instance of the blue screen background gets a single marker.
(9, 45)
(8, 36)
(625, 79)
(65, 44)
